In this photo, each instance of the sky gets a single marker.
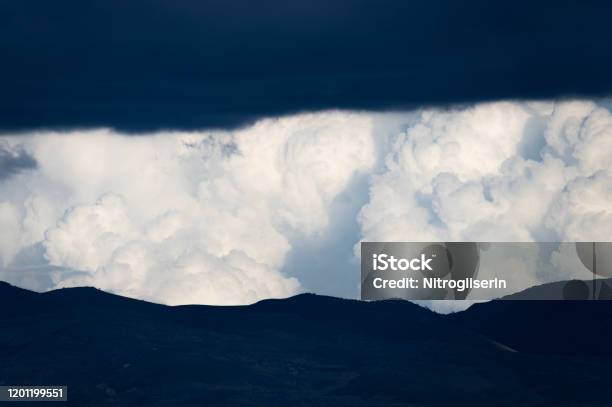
(221, 153)
(148, 65)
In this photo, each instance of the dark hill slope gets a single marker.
(305, 350)
(574, 328)
(578, 328)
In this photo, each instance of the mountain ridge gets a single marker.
(304, 350)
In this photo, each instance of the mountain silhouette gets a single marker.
(572, 328)
(304, 350)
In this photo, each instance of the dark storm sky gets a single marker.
(146, 65)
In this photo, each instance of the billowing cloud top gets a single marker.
(279, 207)
(144, 65)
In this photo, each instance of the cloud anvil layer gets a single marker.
(146, 65)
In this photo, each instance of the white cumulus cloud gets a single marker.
(212, 217)
(183, 217)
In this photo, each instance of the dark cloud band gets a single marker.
(13, 161)
(145, 65)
